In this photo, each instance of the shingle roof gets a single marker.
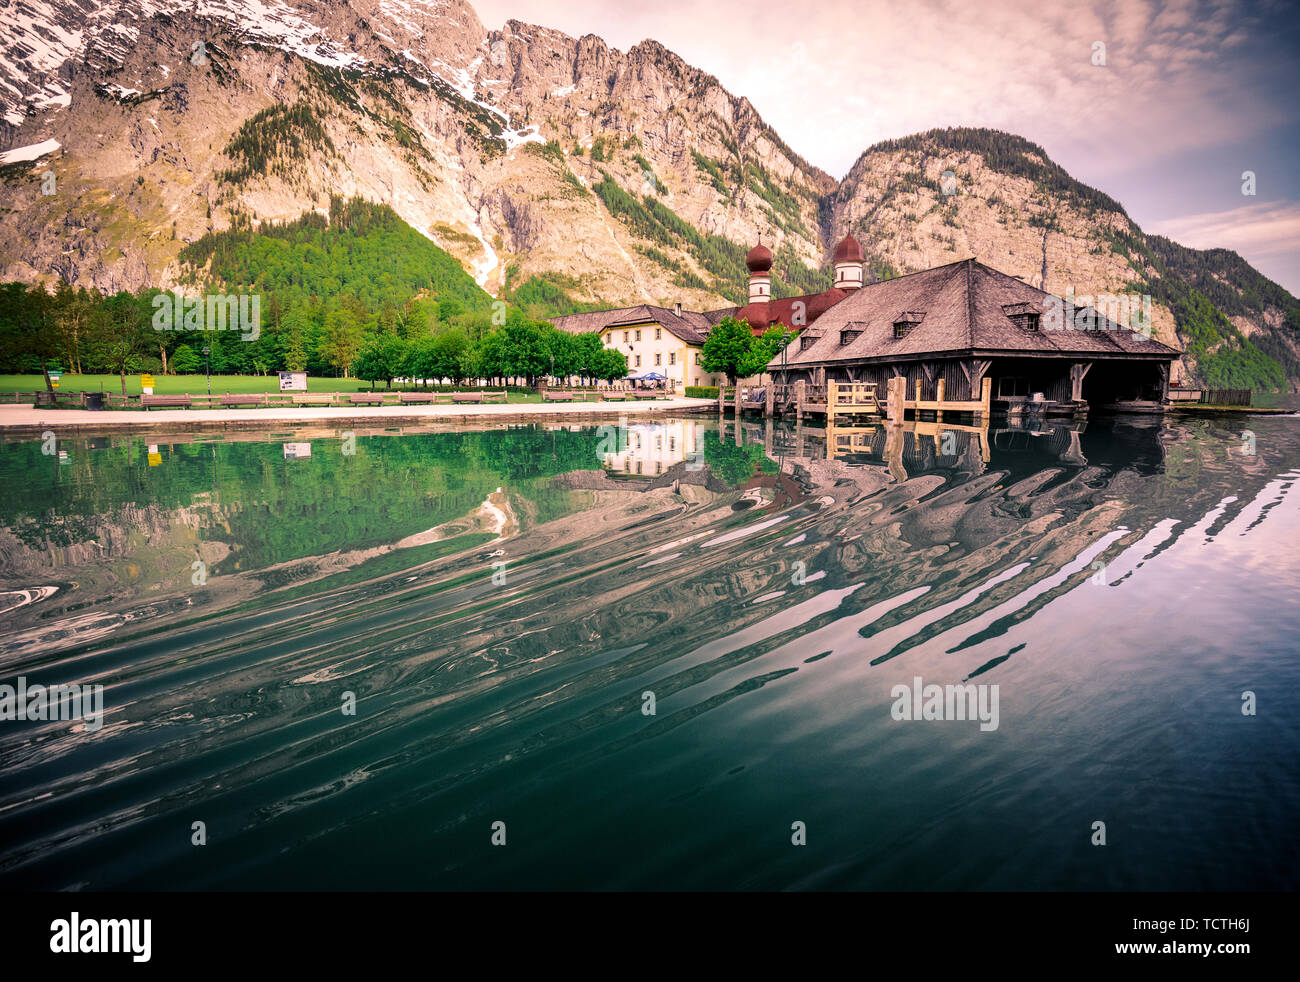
(691, 327)
(962, 307)
(767, 313)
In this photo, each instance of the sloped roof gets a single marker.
(691, 327)
(963, 306)
(768, 313)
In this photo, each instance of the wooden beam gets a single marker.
(1077, 372)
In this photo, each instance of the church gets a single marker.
(668, 342)
(957, 324)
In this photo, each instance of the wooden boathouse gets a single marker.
(966, 338)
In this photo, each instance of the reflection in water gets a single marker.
(650, 447)
(500, 602)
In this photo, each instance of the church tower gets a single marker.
(759, 261)
(848, 264)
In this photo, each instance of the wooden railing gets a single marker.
(846, 396)
(1226, 397)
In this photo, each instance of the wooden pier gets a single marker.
(851, 399)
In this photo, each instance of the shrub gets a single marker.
(701, 392)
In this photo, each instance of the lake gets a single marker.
(671, 654)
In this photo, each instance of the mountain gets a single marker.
(558, 171)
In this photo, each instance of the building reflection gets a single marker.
(648, 449)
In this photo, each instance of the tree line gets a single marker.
(86, 332)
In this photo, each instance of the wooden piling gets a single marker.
(895, 396)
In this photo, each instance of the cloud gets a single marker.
(1268, 228)
(1180, 76)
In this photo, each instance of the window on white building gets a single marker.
(672, 358)
(659, 333)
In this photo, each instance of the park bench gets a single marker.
(415, 397)
(250, 399)
(467, 397)
(613, 396)
(313, 398)
(151, 401)
(367, 398)
(549, 396)
(490, 396)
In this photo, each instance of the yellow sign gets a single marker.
(155, 459)
(146, 381)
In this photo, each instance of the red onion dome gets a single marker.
(848, 251)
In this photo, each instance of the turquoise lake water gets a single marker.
(502, 608)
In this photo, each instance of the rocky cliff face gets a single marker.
(625, 176)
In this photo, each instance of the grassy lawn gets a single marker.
(166, 385)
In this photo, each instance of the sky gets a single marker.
(1163, 106)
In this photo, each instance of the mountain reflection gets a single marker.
(500, 600)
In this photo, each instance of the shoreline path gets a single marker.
(22, 417)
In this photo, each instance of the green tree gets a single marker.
(126, 332)
(445, 355)
(767, 346)
(523, 350)
(26, 319)
(72, 310)
(566, 356)
(587, 351)
(381, 359)
(185, 360)
(729, 349)
(609, 365)
(293, 338)
(341, 341)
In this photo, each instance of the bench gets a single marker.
(150, 401)
(366, 398)
(489, 396)
(549, 396)
(467, 397)
(313, 398)
(612, 396)
(245, 400)
(415, 397)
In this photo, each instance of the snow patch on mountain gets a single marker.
(33, 152)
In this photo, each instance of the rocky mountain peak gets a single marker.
(613, 176)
